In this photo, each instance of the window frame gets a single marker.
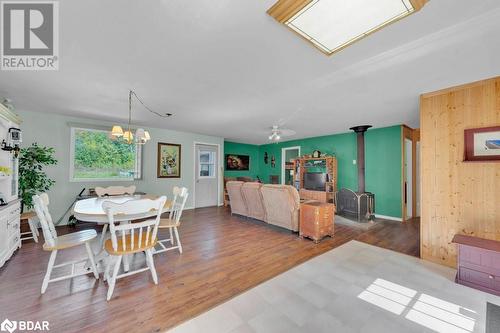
(210, 162)
(138, 160)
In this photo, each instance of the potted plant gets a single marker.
(32, 177)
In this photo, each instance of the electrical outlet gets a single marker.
(354, 162)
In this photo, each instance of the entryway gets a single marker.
(287, 156)
(206, 175)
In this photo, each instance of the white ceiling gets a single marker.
(226, 68)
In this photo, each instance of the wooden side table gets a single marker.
(316, 220)
(478, 263)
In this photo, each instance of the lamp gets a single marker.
(141, 136)
(117, 131)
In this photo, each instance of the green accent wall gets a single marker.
(242, 149)
(382, 162)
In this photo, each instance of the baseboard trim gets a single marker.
(392, 218)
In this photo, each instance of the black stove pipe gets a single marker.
(360, 131)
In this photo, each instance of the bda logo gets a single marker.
(8, 326)
(29, 35)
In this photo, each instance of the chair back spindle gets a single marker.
(141, 233)
(180, 197)
(41, 203)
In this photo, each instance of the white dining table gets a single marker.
(90, 210)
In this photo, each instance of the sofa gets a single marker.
(275, 204)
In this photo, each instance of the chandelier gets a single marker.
(140, 136)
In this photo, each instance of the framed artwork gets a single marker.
(482, 144)
(169, 160)
(237, 162)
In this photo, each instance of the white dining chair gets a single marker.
(130, 238)
(32, 224)
(55, 243)
(173, 221)
(112, 191)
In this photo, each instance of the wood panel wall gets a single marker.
(457, 197)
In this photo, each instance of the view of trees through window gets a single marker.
(97, 156)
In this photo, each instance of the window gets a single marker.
(206, 164)
(97, 156)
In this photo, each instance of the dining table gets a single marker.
(90, 210)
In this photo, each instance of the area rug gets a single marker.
(355, 287)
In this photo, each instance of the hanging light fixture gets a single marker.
(141, 136)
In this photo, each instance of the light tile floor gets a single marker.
(353, 288)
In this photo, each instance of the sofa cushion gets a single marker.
(253, 200)
(282, 204)
(236, 199)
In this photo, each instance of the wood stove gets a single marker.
(360, 204)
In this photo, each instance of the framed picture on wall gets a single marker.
(169, 160)
(237, 162)
(482, 144)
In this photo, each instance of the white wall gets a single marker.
(54, 131)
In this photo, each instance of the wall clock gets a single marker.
(316, 154)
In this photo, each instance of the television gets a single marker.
(315, 181)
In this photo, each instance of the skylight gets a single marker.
(332, 25)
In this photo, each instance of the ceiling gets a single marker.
(226, 68)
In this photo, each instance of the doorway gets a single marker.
(206, 187)
(410, 173)
(287, 156)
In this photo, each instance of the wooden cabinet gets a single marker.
(316, 220)
(10, 231)
(328, 165)
(478, 263)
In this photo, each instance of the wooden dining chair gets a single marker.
(131, 238)
(32, 224)
(55, 243)
(173, 221)
(115, 190)
(112, 191)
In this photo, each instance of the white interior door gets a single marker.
(206, 166)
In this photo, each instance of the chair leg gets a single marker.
(106, 270)
(171, 236)
(112, 282)
(50, 266)
(34, 230)
(178, 239)
(103, 236)
(151, 265)
(92, 261)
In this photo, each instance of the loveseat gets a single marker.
(275, 204)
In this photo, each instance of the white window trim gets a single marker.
(87, 180)
(212, 153)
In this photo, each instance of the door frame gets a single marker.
(219, 165)
(283, 155)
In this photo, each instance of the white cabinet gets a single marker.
(10, 231)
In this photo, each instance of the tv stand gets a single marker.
(329, 165)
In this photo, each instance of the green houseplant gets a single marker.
(32, 177)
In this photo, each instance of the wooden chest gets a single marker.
(478, 263)
(316, 220)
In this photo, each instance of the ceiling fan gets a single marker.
(277, 133)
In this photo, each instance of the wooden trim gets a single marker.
(416, 139)
(158, 174)
(418, 4)
(458, 87)
(406, 133)
(469, 145)
(283, 10)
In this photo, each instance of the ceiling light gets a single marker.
(117, 131)
(331, 25)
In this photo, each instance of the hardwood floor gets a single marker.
(223, 256)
